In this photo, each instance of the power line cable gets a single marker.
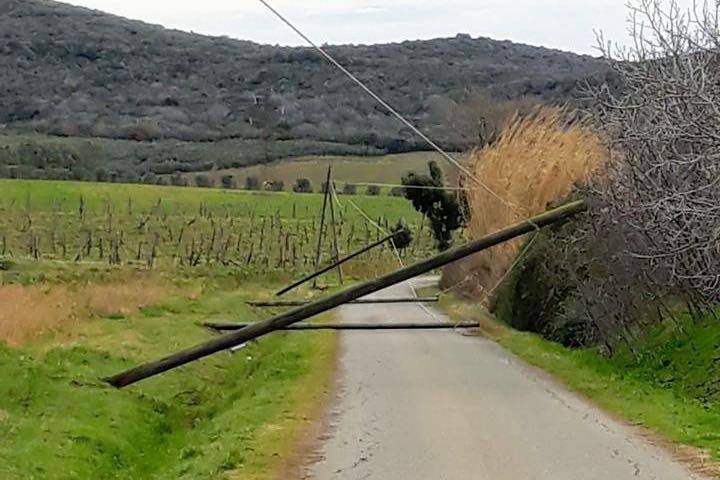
(417, 131)
(389, 108)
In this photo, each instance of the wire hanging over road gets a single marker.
(419, 133)
(390, 109)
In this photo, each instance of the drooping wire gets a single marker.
(389, 108)
(419, 133)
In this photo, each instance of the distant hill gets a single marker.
(73, 72)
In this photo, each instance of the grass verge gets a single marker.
(228, 416)
(670, 385)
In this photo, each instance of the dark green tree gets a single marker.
(275, 186)
(444, 211)
(252, 183)
(404, 238)
(227, 181)
(203, 181)
(373, 190)
(303, 185)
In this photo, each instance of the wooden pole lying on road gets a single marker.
(233, 339)
(362, 301)
(229, 327)
(335, 264)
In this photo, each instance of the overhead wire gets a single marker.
(389, 108)
(413, 128)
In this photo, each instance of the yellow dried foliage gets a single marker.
(537, 161)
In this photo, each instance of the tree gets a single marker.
(664, 119)
(265, 114)
(227, 181)
(101, 175)
(403, 237)
(203, 181)
(349, 189)
(274, 186)
(252, 183)
(178, 180)
(372, 190)
(397, 192)
(442, 210)
(303, 185)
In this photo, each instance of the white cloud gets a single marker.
(565, 24)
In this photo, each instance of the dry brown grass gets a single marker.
(28, 311)
(536, 161)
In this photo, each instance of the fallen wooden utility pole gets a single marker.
(362, 301)
(337, 263)
(229, 327)
(233, 339)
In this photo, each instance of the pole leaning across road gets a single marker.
(259, 329)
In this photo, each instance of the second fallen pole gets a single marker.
(361, 301)
(229, 327)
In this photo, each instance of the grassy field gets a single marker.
(188, 227)
(670, 384)
(229, 416)
(96, 278)
(346, 169)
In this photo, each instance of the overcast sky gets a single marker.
(563, 24)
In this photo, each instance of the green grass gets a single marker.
(41, 195)
(252, 231)
(226, 413)
(671, 384)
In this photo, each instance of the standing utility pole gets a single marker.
(322, 223)
(336, 251)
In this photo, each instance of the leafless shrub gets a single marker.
(664, 188)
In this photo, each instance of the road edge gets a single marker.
(696, 460)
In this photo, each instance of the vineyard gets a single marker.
(167, 227)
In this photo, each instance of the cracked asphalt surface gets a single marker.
(415, 405)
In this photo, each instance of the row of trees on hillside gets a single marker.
(253, 183)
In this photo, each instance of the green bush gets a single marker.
(303, 185)
(372, 190)
(252, 183)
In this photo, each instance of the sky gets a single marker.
(563, 24)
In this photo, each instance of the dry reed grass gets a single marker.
(28, 311)
(537, 160)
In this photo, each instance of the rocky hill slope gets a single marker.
(73, 72)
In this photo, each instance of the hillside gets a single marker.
(73, 72)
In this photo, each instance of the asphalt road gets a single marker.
(416, 405)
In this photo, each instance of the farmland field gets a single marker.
(346, 169)
(95, 278)
(231, 416)
(189, 227)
